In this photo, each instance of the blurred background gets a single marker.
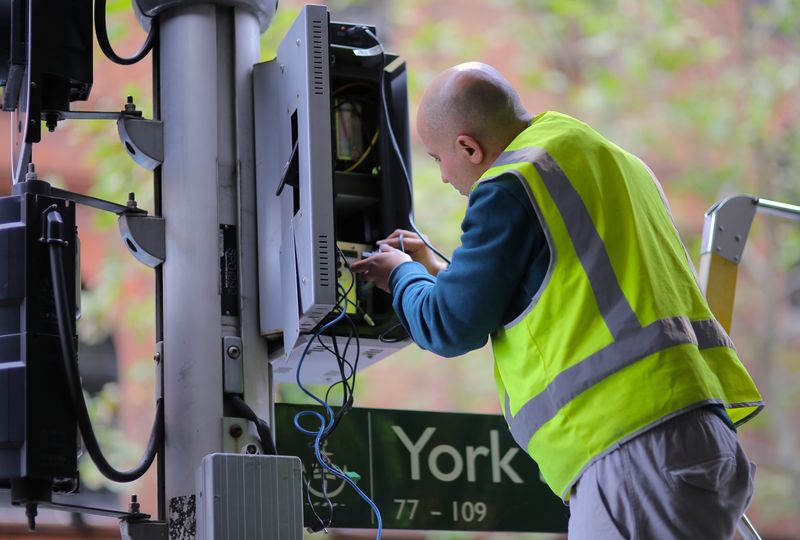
(706, 92)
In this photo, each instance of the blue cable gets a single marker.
(324, 427)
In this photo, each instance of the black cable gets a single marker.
(396, 147)
(105, 45)
(54, 237)
(322, 524)
(241, 408)
(383, 339)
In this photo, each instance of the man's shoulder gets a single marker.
(500, 188)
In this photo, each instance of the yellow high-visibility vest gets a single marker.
(619, 336)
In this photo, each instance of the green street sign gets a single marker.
(424, 470)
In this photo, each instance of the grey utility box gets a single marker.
(249, 497)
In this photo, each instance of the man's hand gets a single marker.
(411, 243)
(378, 267)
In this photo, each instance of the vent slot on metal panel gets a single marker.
(323, 248)
(318, 57)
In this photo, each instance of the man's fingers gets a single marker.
(410, 244)
(398, 232)
(359, 266)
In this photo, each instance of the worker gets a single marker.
(611, 370)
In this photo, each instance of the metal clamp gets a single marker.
(144, 237)
(232, 365)
(143, 140)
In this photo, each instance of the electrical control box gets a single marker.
(38, 430)
(249, 497)
(332, 143)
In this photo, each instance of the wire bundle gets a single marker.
(329, 421)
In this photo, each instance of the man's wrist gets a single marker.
(402, 269)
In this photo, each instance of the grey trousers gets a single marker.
(686, 478)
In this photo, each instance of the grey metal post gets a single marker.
(208, 176)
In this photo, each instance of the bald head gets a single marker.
(472, 99)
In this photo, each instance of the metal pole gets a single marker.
(257, 372)
(190, 70)
(207, 54)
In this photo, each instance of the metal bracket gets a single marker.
(232, 366)
(143, 140)
(727, 225)
(94, 202)
(144, 237)
(237, 437)
(143, 530)
(66, 507)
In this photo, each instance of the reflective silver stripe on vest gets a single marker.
(614, 307)
(550, 244)
(634, 346)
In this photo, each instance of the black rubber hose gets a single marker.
(74, 382)
(105, 45)
(241, 408)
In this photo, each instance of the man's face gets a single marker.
(454, 165)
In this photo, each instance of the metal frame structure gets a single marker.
(725, 230)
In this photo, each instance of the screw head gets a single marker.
(234, 351)
(298, 42)
(251, 449)
(235, 430)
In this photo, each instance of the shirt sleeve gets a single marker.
(456, 312)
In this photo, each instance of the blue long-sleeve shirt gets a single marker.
(491, 279)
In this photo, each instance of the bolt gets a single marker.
(31, 174)
(234, 351)
(721, 228)
(134, 504)
(157, 357)
(251, 449)
(298, 42)
(282, 68)
(130, 106)
(132, 200)
(235, 431)
(738, 238)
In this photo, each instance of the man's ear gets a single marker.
(471, 148)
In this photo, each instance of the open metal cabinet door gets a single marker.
(295, 186)
(332, 148)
